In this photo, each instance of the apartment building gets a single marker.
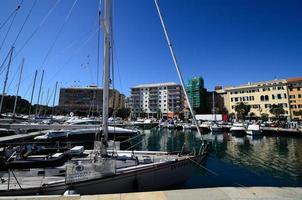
(157, 100)
(87, 100)
(260, 95)
(295, 96)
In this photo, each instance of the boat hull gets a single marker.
(153, 177)
(254, 132)
(238, 133)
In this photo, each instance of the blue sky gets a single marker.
(226, 42)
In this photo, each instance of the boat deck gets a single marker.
(126, 161)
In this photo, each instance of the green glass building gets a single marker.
(196, 94)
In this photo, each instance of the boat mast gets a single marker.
(17, 92)
(213, 106)
(54, 98)
(32, 92)
(176, 65)
(106, 25)
(6, 77)
(39, 94)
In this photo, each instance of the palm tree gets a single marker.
(242, 109)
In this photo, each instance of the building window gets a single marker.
(261, 98)
(285, 96)
(236, 99)
(279, 96)
(267, 105)
(299, 96)
(298, 89)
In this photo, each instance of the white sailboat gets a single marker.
(111, 171)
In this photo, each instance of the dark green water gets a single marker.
(247, 161)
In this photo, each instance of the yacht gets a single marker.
(238, 129)
(87, 134)
(254, 129)
(216, 128)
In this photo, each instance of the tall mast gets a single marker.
(54, 98)
(213, 106)
(39, 92)
(106, 73)
(32, 92)
(176, 64)
(17, 92)
(6, 77)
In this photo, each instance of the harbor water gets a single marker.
(245, 161)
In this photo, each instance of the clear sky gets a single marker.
(227, 42)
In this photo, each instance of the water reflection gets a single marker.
(251, 160)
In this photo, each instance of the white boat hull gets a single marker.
(254, 132)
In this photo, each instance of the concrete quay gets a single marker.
(219, 193)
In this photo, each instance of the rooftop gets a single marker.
(155, 85)
(290, 80)
(256, 84)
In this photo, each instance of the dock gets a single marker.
(18, 137)
(219, 193)
(27, 127)
(276, 131)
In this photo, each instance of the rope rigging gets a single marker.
(8, 18)
(57, 35)
(10, 26)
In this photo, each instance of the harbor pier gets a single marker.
(228, 193)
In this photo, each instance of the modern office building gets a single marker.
(295, 96)
(260, 95)
(196, 94)
(88, 100)
(161, 100)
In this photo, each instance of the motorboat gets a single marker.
(144, 123)
(238, 130)
(254, 130)
(87, 134)
(216, 128)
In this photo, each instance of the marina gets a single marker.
(168, 136)
(256, 160)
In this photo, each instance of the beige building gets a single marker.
(260, 95)
(295, 96)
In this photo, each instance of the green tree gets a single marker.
(264, 117)
(242, 109)
(277, 110)
(298, 113)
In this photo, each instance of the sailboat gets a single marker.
(215, 127)
(111, 171)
